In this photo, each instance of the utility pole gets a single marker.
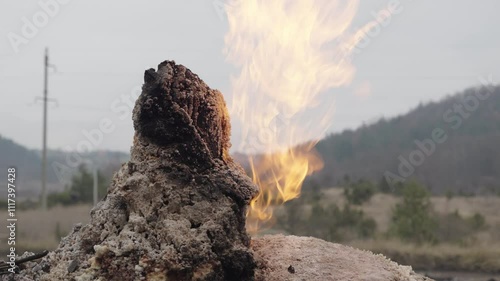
(44, 142)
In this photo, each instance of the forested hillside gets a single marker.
(59, 162)
(15, 155)
(450, 145)
(454, 145)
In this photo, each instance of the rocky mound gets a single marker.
(176, 210)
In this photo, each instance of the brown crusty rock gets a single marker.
(176, 210)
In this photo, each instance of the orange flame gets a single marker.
(287, 52)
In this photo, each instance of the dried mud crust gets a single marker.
(176, 210)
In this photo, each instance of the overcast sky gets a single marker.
(101, 49)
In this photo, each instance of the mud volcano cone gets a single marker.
(176, 210)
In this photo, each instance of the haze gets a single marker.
(101, 49)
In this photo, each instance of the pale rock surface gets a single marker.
(293, 258)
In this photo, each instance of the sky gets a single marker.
(100, 49)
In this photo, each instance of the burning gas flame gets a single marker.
(287, 53)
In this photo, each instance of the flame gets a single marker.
(287, 53)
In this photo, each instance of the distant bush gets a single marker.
(412, 220)
(453, 228)
(80, 190)
(332, 223)
(64, 198)
(463, 193)
(359, 192)
(292, 221)
(320, 223)
(477, 222)
(449, 194)
(311, 192)
(20, 205)
(354, 220)
(384, 186)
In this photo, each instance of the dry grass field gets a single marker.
(38, 230)
(482, 255)
(380, 206)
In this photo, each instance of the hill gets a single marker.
(450, 145)
(15, 155)
(59, 165)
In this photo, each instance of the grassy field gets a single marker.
(380, 206)
(36, 230)
(480, 254)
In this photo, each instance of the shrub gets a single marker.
(80, 190)
(64, 198)
(454, 228)
(384, 186)
(359, 192)
(412, 219)
(20, 205)
(477, 222)
(354, 220)
(332, 223)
